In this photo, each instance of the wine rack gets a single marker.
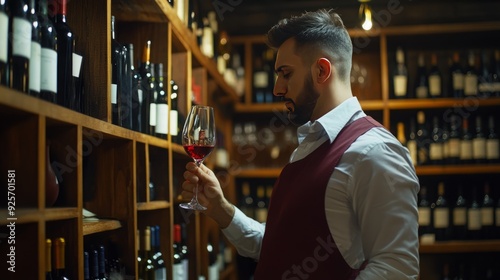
(374, 51)
(104, 168)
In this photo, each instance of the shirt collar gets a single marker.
(330, 123)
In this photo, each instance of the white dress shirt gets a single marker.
(370, 200)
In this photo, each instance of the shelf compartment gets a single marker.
(461, 247)
(69, 229)
(100, 226)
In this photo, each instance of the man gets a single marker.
(345, 207)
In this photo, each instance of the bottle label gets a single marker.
(497, 215)
(465, 149)
(139, 95)
(152, 114)
(114, 89)
(174, 118)
(458, 81)
(421, 92)
(478, 148)
(424, 216)
(261, 214)
(161, 273)
(446, 150)
(412, 148)
(35, 64)
(185, 265)
(161, 125)
(474, 219)
(485, 87)
(4, 39)
(21, 37)
(48, 80)
(436, 151)
(178, 271)
(470, 87)
(454, 148)
(400, 85)
(260, 79)
(441, 218)
(213, 272)
(459, 216)
(487, 216)
(77, 65)
(435, 85)
(492, 149)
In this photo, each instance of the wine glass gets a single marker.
(198, 140)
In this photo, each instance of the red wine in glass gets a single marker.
(198, 152)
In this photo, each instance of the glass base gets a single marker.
(193, 206)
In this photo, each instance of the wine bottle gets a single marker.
(102, 263)
(260, 81)
(495, 74)
(125, 94)
(153, 95)
(213, 269)
(185, 250)
(457, 76)
(94, 266)
(479, 143)
(145, 72)
(400, 134)
(470, 78)
(116, 74)
(161, 269)
(465, 143)
(441, 215)
(400, 77)
(454, 140)
(474, 218)
(174, 113)
(423, 139)
(162, 113)
(48, 259)
(460, 216)
(149, 268)
(48, 72)
(86, 267)
(497, 218)
(446, 272)
(412, 142)
(487, 214)
(421, 82)
(424, 213)
(4, 42)
(445, 136)
(59, 257)
(485, 83)
(436, 145)
(20, 48)
(65, 48)
(492, 142)
(207, 39)
(261, 205)
(178, 267)
(247, 203)
(137, 92)
(435, 85)
(140, 255)
(36, 51)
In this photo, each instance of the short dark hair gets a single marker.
(322, 29)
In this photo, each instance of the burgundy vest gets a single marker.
(297, 242)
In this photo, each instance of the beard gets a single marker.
(303, 107)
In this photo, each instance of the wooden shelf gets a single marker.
(100, 226)
(22, 216)
(61, 213)
(461, 247)
(414, 104)
(152, 205)
(259, 173)
(458, 169)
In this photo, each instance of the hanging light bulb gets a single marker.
(365, 14)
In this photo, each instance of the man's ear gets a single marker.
(324, 70)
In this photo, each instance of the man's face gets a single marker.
(295, 84)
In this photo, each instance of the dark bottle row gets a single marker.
(475, 73)
(253, 199)
(139, 97)
(450, 138)
(460, 212)
(37, 52)
(469, 270)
